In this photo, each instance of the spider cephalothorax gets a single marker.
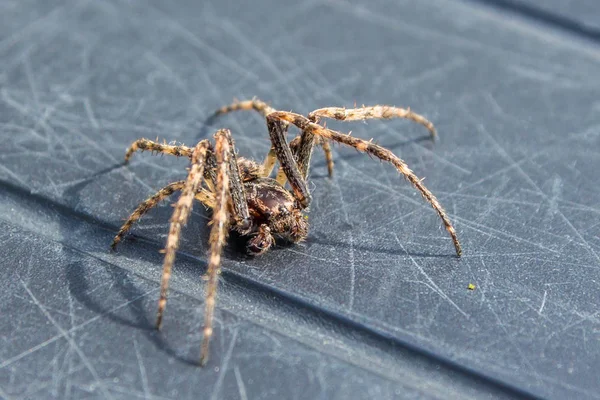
(274, 212)
(244, 198)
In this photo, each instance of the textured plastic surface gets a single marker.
(581, 17)
(373, 304)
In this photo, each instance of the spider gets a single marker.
(244, 198)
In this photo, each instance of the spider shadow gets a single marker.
(80, 287)
(135, 313)
(393, 252)
(207, 125)
(71, 195)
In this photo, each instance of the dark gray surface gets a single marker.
(581, 16)
(373, 304)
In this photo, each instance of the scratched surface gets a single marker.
(373, 304)
(581, 16)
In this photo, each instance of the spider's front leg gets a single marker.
(145, 144)
(218, 233)
(144, 207)
(203, 195)
(180, 216)
(295, 172)
(243, 222)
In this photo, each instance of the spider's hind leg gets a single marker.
(328, 155)
(306, 125)
(263, 109)
(237, 194)
(294, 171)
(373, 112)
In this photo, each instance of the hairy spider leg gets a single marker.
(280, 148)
(328, 155)
(287, 160)
(373, 112)
(269, 163)
(255, 104)
(218, 233)
(237, 194)
(144, 207)
(225, 184)
(204, 196)
(180, 216)
(373, 149)
(264, 109)
(302, 146)
(145, 144)
(302, 158)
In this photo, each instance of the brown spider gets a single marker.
(242, 196)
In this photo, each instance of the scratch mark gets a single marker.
(13, 175)
(240, 383)
(494, 103)
(143, 374)
(543, 302)
(507, 156)
(199, 43)
(71, 342)
(465, 42)
(3, 395)
(535, 74)
(13, 103)
(352, 272)
(8, 42)
(350, 251)
(441, 72)
(429, 152)
(156, 60)
(432, 284)
(31, 81)
(556, 190)
(53, 339)
(100, 150)
(52, 108)
(129, 393)
(256, 52)
(90, 113)
(491, 201)
(69, 356)
(224, 365)
(309, 255)
(511, 339)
